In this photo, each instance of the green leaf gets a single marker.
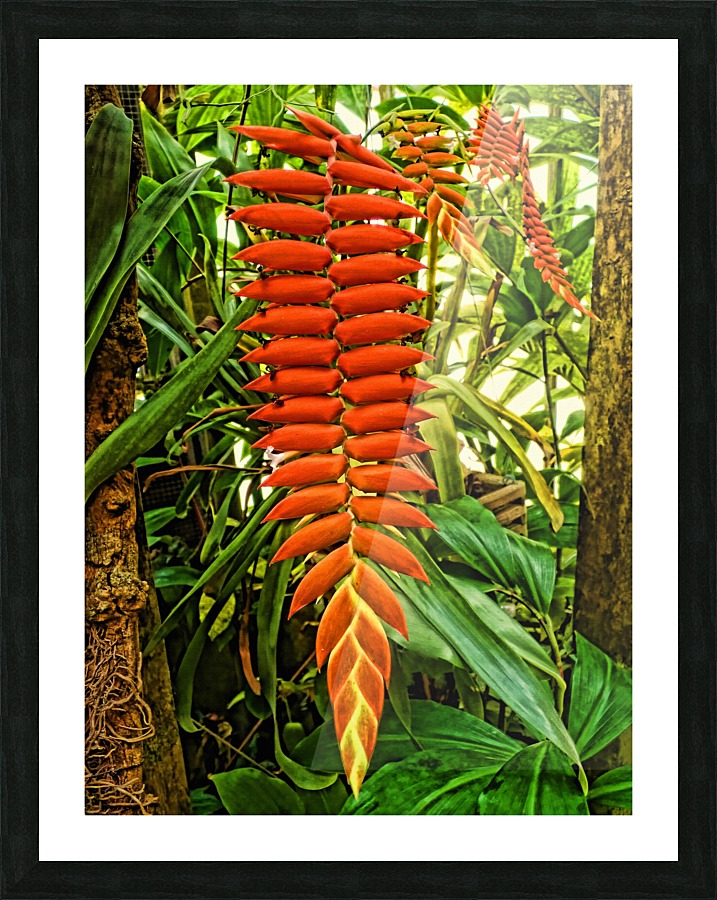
(108, 151)
(356, 98)
(499, 554)
(139, 233)
(149, 424)
(243, 545)
(268, 616)
(491, 659)
(426, 783)
(539, 526)
(613, 789)
(219, 524)
(170, 576)
(432, 108)
(204, 804)
(504, 627)
(440, 433)
(473, 401)
(327, 802)
(249, 792)
(600, 699)
(184, 686)
(436, 727)
(538, 781)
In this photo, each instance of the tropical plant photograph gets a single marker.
(358, 442)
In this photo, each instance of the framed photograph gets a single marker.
(378, 376)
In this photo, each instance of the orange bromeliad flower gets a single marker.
(341, 392)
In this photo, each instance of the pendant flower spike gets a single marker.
(341, 388)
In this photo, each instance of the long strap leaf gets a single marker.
(476, 403)
(139, 234)
(150, 423)
(108, 151)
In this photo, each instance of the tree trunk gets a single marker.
(118, 719)
(603, 586)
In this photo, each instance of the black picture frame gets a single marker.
(23, 24)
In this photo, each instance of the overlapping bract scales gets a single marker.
(496, 144)
(341, 389)
(540, 243)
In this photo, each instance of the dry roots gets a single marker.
(117, 721)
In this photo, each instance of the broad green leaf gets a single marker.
(161, 302)
(108, 150)
(440, 433)
(149, 424)
(268, 615)
(219, 524)
(600, 699)
(356, 98)
(538, 781)
(539, 526)
(139, 234)
(327, 802)
(176, 340)
(497, 553)
(171, 576)
(509, 677)
(436, 727)
(426, 783)
(504, 627)
(476, 404)
(613, 789)
(249, 792)
(483, 368)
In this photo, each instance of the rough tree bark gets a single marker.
(118, 719)
(603, 586)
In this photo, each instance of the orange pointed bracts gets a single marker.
(316, 535)
(540, 243)
(386, 511)
(315, 125)
(316, 410)
(383, 417)
(314, 500)
(287, 217)
(297, 410)
(298, 351)
(360, 175)
(385, 326)
(382, 445)
(367, 298)
(287, 141)
(387, 551)
(298, 380)
(369, 239)
(380, 358)
(383, 479)
(279, 181)
(350, 207)
(304, 438)
(288, 289)
(309, 470)
(373, 589)
(286, 320)
(301, 256)
(322, 577)
(361, 154)
(372, 268)
(497, 145)
(377, 388)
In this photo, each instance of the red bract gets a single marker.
(298, 351)
(309, 470)
(383, 417)
(317, 499)
(376, 388)
(360, 175)
(381, 358)
(350, 207)
(303, 438)
(301, 256)
(371, 268)
(388, 552)
(286, 140)
(316, 536)
(288, 289)
(361, 154)
(383, 479)
(385, 511)
(279, 181)
(285, 320)
(369, 239)
(298, 380)
(383, 445)
(297, 410)
(287, 217)
(322, 577)
(314, 124)
(386, 326)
